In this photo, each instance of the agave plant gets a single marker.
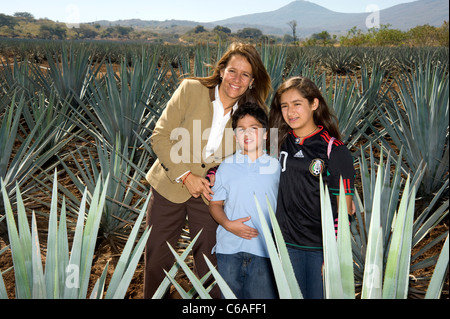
(202, 61)
(43, 111)
(339, 60)
(407, 58)
(18, 165)
(66, 275)
(16, 76)
(386, 267)
(382, 57)
(420, 124)
(127, 104)
(274, 60)
(350, 106)
(125, 192)
(303, 67)
(374, 89)
(386, 185)
(70, 72)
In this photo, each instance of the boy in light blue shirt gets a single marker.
(242, 256)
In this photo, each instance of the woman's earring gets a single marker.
(250, 87)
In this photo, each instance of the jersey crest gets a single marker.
(316, 167)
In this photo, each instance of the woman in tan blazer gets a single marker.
(193, 135)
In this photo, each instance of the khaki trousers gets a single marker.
(167, 220)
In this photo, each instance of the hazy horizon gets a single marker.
(83, 11)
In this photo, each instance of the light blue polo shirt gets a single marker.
(238, 179)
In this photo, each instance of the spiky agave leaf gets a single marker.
(23, 283)
(3, 292)
(283, 254)
(437, 280)
(332, 267)
(396, 279)
(202, 292)
(279, 258)
(373, 267)
(162, 289)
(345, 247)
(224, 288)
(39, 290)
(129, 258)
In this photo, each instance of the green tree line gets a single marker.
(24, 25)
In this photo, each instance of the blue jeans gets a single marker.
(249, 276)
(307, 266)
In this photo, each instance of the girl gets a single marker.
(305, 131)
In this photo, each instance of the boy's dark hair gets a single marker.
(251, 109)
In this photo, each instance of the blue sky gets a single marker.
(77, 11)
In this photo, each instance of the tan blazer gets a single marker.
(188, 118)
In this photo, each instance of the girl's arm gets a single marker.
(341, 166)
(350, 204)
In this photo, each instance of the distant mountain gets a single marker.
(311, 18)
(409, 15)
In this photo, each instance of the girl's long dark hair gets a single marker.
(308, 90)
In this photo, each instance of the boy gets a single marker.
(242, 256)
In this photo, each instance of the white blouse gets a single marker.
(217, 127)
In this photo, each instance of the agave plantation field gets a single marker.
(75, 123)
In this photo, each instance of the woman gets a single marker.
(308, 137)
(193, 135)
